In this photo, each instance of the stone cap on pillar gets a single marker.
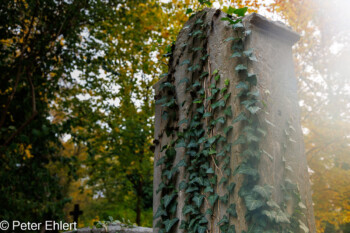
(276, 28)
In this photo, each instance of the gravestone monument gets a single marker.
(229, 151)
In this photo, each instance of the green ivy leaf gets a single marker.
(198, 200)
(264, 192)
(227, 129)
(208, 189)
(228, 111)
(241, 11)
(184, 80)
(167, 199)
(236, 54)
(212, 199)
(182, 185)
(253, 203)
(170, 223)
(210, 171)
(185, 62)
(231, 187)
(240, 67)
(231, 210)
(246, 170)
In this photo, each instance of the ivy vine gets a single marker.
(202, 134)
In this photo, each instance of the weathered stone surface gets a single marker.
(114, 229)
(272, 43)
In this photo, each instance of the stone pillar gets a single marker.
(282, 168)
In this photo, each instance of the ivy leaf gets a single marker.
(303, 227)
(231, 210)
(246, 170)
(203, 75)
(167, 199)
(220, 103)
(240, 67)
(188, 209)
(223, 180)
(162, 100)
(232, 229)
(230, 39)
(240, 117)
(182, 185)
(215, 72)
(241, 11)
(227, 129)
(210, 171)
(185, 62)
(181, 143)
(240, 140)
(208, 189)
(224, 220)
(236, 54)
(242, 85)
(207, 114)
(183, 121)
(182, 163)
(281, 217)
(224, 198)
(160, 212)
(170, 223)
(265, 191)
(202, 229)
(184, 80)
(231, 187)
(228, 111)
(253, 109)
(188, 11)
(198, 200)
(252, 203)
(212, 199)
(271, 214)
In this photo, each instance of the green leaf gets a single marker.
(231, 210)
(265, 191)
(231, 187)
(183, 121)
(241, 11)
(236, 54)
(224, 198)
(228, 111)
(188, 11)
(208, 189)
(246, 170)
(170, 223)
(223, 180)
(224, 220)
(182, 185)
(230, 39)
(230, 10)
(253, 203)
(185, 62)
(203, 75)
(188, 209)
(210, 171)
(167, 199)
(162, 100)
(240, 67)
(253, 109)
(184, 80)
(198, 200)
(240, 117)
(220, 103)
(160, 212)
(207, 114)
(240, 140)
(227, 129)
(212, 199)
(215, 72)
(242, 85)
